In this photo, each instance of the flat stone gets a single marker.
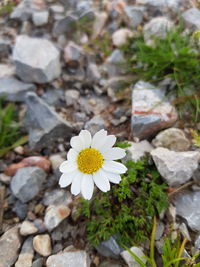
(27, 183)
(187, 206)
(26, 255)
(64, 26)
(138, 150)
(175, 167)
(134, 15)
(69, 259)
(157, 27)
(109, 248)
(6, 70)
(10, 243)
(129, 258)
(55, 215)
(173, 139)
(192, 18)
(43, 67)
(27, 228)
(40, 18)
(151, 111)
(121, 36)
(44, 124)
(14, 90)
(42, 244)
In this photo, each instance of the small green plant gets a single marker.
(196, 138)
(9, 129)
(127, 209)
(175, 57)
(7, 7)
(171, 255)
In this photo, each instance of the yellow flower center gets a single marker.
(89, 160)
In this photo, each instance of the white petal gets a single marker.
(76, 183)
(99, 138)
(66, 179)
(68, 166)
(113, 177)
(114, 153)
(72, 155)
(77, 143)
(86, 137)
(115, 167)
(109, 142)
(101, 180)
(87, 186)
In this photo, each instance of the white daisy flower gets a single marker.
(91, 161)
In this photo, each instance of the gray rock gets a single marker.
(95, 124)
(14, 90)
(23, 11)
(73, 55)
(115, 63)
(187, 206)
(69, 259)
(5, 47)
(53, 97)
(173, 139)
(40, 18)
(43, 67)
(57, 8)
(175, 167)
(44, 124)
(10, 244)
(6, 70)
(109, 248)
(26, 255)
(27, 183)
(197, 241)
(56, 197)
(157, 27)
(93, 73)
(173, 4)
(134, 15)
(38, 263)
(54, 215)
(20, 209)
(64, 26)
(129, 258)
(159, 230)
(109, 264)
(151, 111)
(192, 18)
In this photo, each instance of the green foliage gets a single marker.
(123, 144)
(171, 254)
(176, 57)
(196, 138)
(6, 8)
(9, 129)
(127, 209)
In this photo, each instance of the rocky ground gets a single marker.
(57, 65)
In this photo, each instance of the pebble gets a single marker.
(192, 18)
(137, 151)
(121, 36)
(95, 124)
(69, 259)
(15, 90)
(57, 197)
(27, 228)
(129, 258)
(134, 15)
(175, 167)
(56, 160)
(64, 25)
(10, 243)
(27, 183)
(26, 255)
(73, 55)
(72, 97)
(109, 248)
(173, 139)
(55, 215)
(42, 244)
(43, 67)
(40, 18)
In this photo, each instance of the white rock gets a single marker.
(40, 18)
(27, 228)
(129, 258)
(173, 4)
(173, 139)
(192, 18)
(43, 67)
(42, 244)
(56, 160)
(69, 259)
(175, 167)
(157, 27)
(55, 215)
(100, 21)
(139, 150)
(121, 36)
(6, 70)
